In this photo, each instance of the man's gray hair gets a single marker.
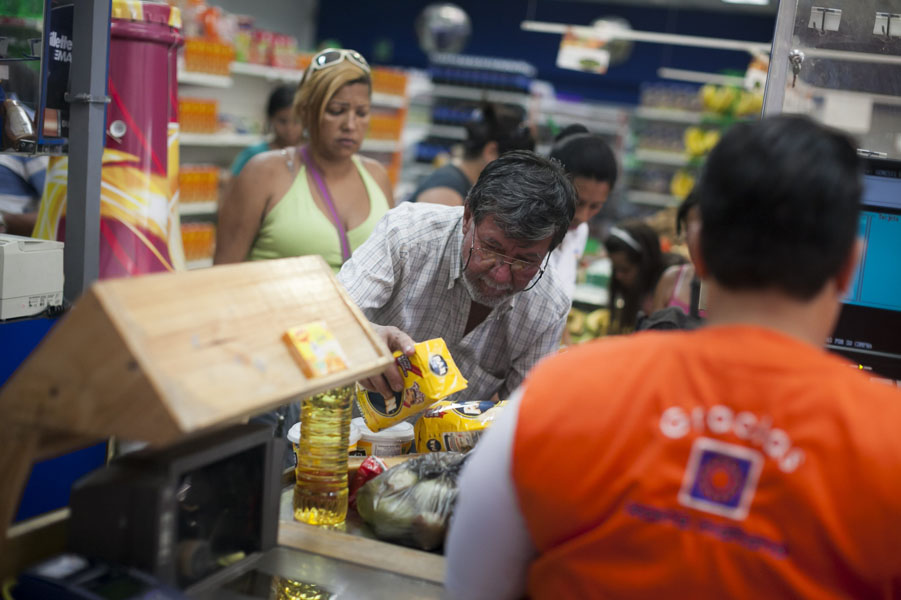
(530, 197)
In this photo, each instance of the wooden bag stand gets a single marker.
(163, 356)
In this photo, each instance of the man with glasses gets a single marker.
(476, 275)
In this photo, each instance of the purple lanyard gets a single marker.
(342, 234)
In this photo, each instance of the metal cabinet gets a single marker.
(840, 62)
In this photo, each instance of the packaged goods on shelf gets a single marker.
(198, 240)
(198, 115)
(208, 56)
(198, 183)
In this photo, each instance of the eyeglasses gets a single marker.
(332, 56)
(518, 268)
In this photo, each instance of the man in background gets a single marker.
(740, 460)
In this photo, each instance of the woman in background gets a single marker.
(634, 251)
(318, 198)
(280, 122)
(497, 129)
(592, 165)
(677, 282)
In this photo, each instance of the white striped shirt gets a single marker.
(409, 274)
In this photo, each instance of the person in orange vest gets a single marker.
(739, 460)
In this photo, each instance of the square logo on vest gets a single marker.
(720, 478)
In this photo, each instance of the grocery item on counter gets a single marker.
(454, 426)
(320, 489)
(369, 469)
(393, 441)
(429, 375)
(294, 437)
(411, 503)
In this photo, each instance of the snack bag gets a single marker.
(429, 376)
(454, 426)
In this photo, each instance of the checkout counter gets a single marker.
(180, 360)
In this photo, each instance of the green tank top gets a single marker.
(297, 227)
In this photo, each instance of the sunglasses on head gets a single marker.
(333, 56)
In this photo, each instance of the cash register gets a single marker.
(870, 318)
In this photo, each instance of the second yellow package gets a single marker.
(429, 375)
(450, 426)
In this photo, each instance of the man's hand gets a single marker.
(390, 380)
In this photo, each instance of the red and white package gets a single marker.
(369, 469)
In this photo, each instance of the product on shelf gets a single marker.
(208, 56)
(198, 240)
(198, 115)
(198, 183)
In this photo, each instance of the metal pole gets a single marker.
(778, 74)
(87, 121)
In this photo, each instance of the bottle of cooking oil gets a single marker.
(320, 493)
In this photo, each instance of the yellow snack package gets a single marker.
(315, 349)
(454, 426)
(429, 375)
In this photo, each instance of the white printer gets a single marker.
(31, 276)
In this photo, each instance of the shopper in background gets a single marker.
(634, 251)
(679, 282)
(319, 198)
(476, 275)
(592, 165)
(741, 460)
(495, 130)
(281, 122)
(21, 187)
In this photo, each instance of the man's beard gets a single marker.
(478, 297)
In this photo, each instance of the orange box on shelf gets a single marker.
(198, 240)
(198, 115)
(198, 183)
(385, 126)
(208, 56)
(389, 81)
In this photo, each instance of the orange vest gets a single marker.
(729, 462)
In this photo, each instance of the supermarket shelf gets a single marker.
(198, 208)
(266, 72)
(652, 198)
(660, 157)
(295, 75)
(669, 114)
(219, 139)
(204, 79)
(586, 293)
(454, 132)
(380, 145)
(200, 263)
(594, 126)
(465, 93)
(388, 100)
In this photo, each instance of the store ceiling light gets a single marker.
(752, 2)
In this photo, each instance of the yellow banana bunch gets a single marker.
(681, 184)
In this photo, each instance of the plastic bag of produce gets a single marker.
(412, 502)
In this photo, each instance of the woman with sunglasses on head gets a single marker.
(319, 197)
(494, 130)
